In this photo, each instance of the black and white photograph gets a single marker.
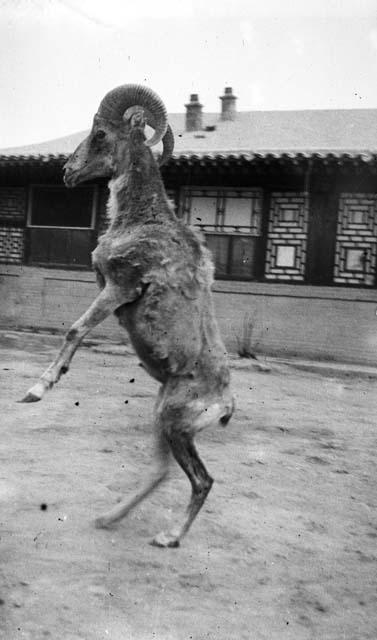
(188, 320)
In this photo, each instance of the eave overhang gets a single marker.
(214, 157)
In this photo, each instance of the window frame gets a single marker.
(221, 194)
(91, 231)
(94, 207)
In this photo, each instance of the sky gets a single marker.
(60, 57)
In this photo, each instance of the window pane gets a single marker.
(59, 242)
(359, 216)
(219, 246)
(355, 259)
(39, 246)
(61, 207)
(285, 256)
(238, 212)
(243, 253)
(65, 247)
(288, 214)
(203, 211)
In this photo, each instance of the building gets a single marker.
(286, 199)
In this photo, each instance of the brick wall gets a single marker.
(49, 299)
(319, 322)
(323, 323)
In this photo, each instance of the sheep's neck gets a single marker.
(137, 194)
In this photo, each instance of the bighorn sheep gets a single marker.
(155, 275)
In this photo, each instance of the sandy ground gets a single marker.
(284, 549)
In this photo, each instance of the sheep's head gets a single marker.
(123, 111)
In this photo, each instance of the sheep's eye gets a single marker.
(100, 134)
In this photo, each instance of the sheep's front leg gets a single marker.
(108, 300)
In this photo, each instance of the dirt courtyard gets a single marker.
(285, 547)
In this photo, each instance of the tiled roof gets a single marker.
(253, 134)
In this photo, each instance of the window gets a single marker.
(61, 225)
(356, 259)
(231, 222)
(285, 255)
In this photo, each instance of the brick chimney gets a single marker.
(194, 114)
(228, 104)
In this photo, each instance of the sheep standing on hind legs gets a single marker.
(155, 275)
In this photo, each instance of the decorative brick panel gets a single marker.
(12, 204)
(356, 241)
(287, 236)
(12, 216)
(11, 245)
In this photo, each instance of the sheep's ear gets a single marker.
(135, 116)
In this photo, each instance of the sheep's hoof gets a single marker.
(36, 392)
(165, 540)
(30, 397)
(102, 523)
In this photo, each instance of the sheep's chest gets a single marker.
(108, 247)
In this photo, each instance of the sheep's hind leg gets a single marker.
(107, 301)
(187, 457)
(155, 478)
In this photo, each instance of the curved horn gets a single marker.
(167, 140)
(116, 101)
(168, 146)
